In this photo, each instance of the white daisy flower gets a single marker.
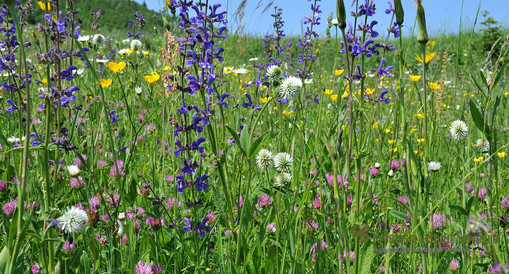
(84, 38)
(283, 162)
(74, 220)
(123, 51)
(334, 22)
(73, 170)
(458, 130)
(264, 159)
(290, 88)
(240, 71)
(434, 166)
(283, 179)
(102, 61)
(15, 139)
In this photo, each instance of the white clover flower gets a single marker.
(434, 166)
(458, 130)
(391, 173)
(283, 179)
(138, 90)
(240, 71)
(377, 165)
(334, 22)
(73, 170)
(274, 75)
(74, 220)
(264, 159)
(290, 88)
(136, 45)
(98, 39)
(283, 162)
(84, 38)
(483, 143)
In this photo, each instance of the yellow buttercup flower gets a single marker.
(501, 154)
(414, 78)
(152, 78)
(334, 97)
(369, 91)
(391, 141)
(477, 160)
(45, 6)
(338, 72)
(116, 67)
(388, 130)
(106, 83)
(433, 86)
(44, 81)
(375, 125)
(420, 115)
(328, 91)
(427, 59)
(264, 100)
(420, 140)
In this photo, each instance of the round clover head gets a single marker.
(458, 130)
(290, 88)
(283, 162)
(283, 179)
(74, 220)
(264, 159)
(274, 75)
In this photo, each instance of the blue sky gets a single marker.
(442, 16)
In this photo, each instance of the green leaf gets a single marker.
(237, 140)
(367, 259)
(400, 215)
(499, 76)
(244, 140)
(459, 209)
(479, 119)
(257, 145)
(485, 82)
(469, 204)
(477, 84)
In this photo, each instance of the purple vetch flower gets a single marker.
(202, 228)
(271, 227)
(3, 186)
(454, 265)
(317, 203)
(68, 247)
(12, 108)
(505, 202)
(482, 194)
(35, 268)
(402, 199)
(313, 249)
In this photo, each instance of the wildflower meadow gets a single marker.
(176, 144)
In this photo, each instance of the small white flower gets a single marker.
(73, 170)
(458, 130)
(308, 81)
(264, 159)
(102, 61)
(434, 166)
(334, 22)
(290, 88)
(253, 59)
(391, 173)
(120, 222)
(84, 38)
(484, 144)
(74, 220)
(123, 51)
(274, 75)
(240, 71)
(136, 45)
(138, 90)
(377, 165)
(98, 39)
(80, 71)
(283, 179)
(126, 41)
(15, 139)
(283, 162)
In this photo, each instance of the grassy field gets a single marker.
(192, 149)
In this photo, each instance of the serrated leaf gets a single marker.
(237, 140)
(400, 215)
(367, 260)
